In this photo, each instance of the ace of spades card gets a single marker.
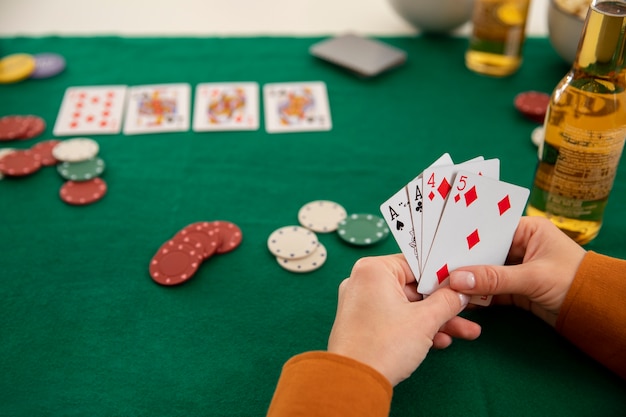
(158, 108)
(91, 111)
(296, 107)
(476, 227)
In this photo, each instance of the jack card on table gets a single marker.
(296, 107)
(158, 108)
(226, 106)
(91, 111)
(476, 228)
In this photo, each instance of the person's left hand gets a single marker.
(383, 322)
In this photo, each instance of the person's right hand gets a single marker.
(539, 270)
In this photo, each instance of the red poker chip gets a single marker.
(36, 126)
(80, 193)
(20, 163)
(533, 104)
(13, 127)
(230, 234)
(44, 151)
(208, 236)
(174, 263)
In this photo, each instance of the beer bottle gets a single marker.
(498, 34)
(585, 128)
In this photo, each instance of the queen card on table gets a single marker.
(158, 108)
(91, 111)
(296, 107)
(226, 106)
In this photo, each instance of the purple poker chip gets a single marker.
(48, 65)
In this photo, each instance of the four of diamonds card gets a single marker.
(454, 215)
(289, 107)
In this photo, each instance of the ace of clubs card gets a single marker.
(226, 106)
(296, 107)
(158, 108)
(91, 111)
(476, 227)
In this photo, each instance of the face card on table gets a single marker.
(226, 106)
(437, 182)
(296, 107)
(476, 227)
(158, 108)
(91, 111)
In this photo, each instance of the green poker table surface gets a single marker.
(84, 329)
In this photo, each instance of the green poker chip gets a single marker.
(363, 229)
(83, 170)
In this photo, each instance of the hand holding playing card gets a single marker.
(381, 323)
(541, 266)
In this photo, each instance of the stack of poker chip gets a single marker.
(178, 259)
(23, 162)
(18, 127)
(18, 67)
(297, 247)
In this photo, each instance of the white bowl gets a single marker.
(437, 16)
(564, 30)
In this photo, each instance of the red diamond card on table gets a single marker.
(476, 228)
(91, 111)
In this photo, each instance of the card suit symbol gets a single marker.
(457, 198)
(473, 239)
(470, 196)
(431, 195)
(419, 207)
(399, 225)
(504, 205)
(444, 188)
(442, 273)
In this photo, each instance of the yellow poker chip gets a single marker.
(16, 67)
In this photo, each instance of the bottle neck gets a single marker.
(602, 48)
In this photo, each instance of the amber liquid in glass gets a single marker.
(585, 129)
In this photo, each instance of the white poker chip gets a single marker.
(76, 150)
(3, 153)
(321, 216)
(537, 136)
(292, 242)
(307, 264)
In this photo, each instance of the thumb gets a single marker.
(491, 279)
(443, 305)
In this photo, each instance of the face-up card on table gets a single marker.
(436, 185)
(158, 108)
(476, 227)
(91, 111)
(226, 106)
(363, 56)
(296, 107)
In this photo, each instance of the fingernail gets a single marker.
(462, 280)
(464, 300)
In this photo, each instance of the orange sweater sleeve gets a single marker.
(593, 315)
(316, 384)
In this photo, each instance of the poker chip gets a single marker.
(307, 264)
(81, 193)
(174, 263)
(321, 216)
(537, 135)
(16, 67)
(13, 127)
(292, 242)
(35, 127)
(204, 233)
(363, 229)
(47, 65)
(3, 152)
(43, 150)
(230, 236)
(533, 105)
(76, 150)
(81, 171)
(20, 163)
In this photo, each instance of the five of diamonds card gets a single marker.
(454, 215)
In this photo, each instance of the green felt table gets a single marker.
(84, 329)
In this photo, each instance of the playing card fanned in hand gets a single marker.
(471, 214)
(91, 111)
